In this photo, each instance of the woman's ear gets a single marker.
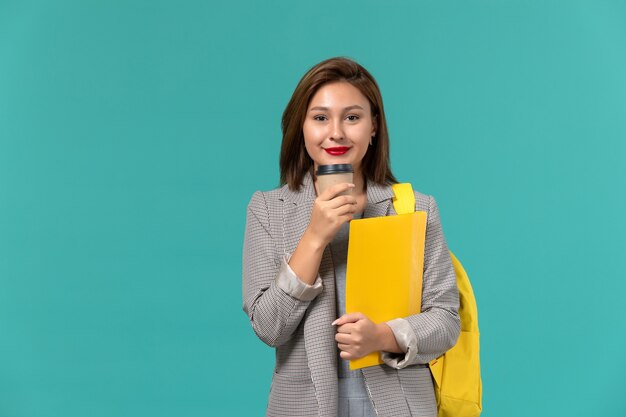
(374, 125)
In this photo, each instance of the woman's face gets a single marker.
(338, 125)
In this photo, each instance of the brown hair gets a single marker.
(294, 159)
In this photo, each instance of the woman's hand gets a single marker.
(358, 336)
(330, 211)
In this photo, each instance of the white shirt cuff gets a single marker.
(288, 281)
(407, 340)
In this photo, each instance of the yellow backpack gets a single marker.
(456, 373)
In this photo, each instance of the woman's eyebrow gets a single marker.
(345, 108)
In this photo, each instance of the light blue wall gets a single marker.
(133, 133)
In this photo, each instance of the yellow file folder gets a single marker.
(384, 270)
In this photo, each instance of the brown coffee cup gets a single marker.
(329, 175)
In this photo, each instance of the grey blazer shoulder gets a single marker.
(305, 374)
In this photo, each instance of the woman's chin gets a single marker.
(333, 160)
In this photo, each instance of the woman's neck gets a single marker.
(360, 192)
(359, 184)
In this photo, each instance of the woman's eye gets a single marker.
(319, 118)
(353, 118)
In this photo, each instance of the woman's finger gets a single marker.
(345, 355)
(342, 200)
(331, 192)
(346, 209)
(343, 347)
(349, 318)
(346, 328)
(344, 338)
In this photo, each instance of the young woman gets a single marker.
(294, 262)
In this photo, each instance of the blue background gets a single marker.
(133, 133)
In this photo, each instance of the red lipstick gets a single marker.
(339, 150)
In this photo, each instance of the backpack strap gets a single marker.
(403, 198)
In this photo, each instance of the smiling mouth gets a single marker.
(339, 150)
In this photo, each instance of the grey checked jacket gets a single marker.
(299, 327)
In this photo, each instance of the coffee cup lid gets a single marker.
(333, 169)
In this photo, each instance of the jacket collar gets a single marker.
(376, 193)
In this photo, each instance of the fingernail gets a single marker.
(334, 322)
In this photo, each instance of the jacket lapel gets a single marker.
(379, 199)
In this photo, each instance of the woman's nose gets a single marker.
(336, 132)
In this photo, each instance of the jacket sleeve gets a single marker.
(274, 299)
(431, 333)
